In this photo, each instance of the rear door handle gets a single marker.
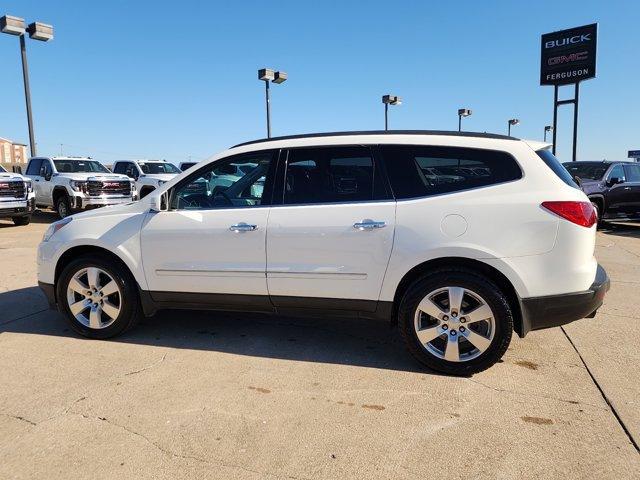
(368, 225)
(243, 227)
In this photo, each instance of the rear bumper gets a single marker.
(554, 310)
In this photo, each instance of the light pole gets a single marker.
(547, 128)
(513, 121)
(462, 112)
(267, 75)
(389, 100)
(37, 31)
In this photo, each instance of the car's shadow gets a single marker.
(621, 229)
(356, 342)
(39, 216)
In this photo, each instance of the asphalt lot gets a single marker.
(207, 395)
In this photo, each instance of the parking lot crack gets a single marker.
(18, 417)
(147, 367)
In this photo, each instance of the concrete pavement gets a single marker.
(205, 395)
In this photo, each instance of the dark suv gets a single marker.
(612, 187)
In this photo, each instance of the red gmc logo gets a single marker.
(110, 184)
(4, 185)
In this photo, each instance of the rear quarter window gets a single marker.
(554, 164)
(420, 171)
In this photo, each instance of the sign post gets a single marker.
(568, 57)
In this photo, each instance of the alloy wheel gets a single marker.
(94, 298)
(454, 324)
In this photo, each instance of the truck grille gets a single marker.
(12, 189)
(114, 187)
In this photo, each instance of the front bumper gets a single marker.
(554, 310)
(103, 201)
(49, 292)
(17, 208)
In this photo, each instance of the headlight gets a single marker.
(161, 182)
(78, 185)
(28, 186)
(54, 227)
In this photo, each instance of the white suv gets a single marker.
(69, 184)
(17, 200)
(459, 238)
(148, 174)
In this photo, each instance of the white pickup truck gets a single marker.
(77, 183)
(17, 199)
(147, 174)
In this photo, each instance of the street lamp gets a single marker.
(389, 100)
(267, 75)
(513, 121)
(462, 112)
(547, 128)
(37, 31)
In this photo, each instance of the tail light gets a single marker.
(580, 213)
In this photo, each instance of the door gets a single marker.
(33, 172)
(617, 196)
(209, 247)
(44, 191)
(330, 230)
(632, 173)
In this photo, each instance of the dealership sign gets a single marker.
(634, 153)
(568, 56)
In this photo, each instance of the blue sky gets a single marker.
(160, 79)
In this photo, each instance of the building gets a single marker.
(13, 152)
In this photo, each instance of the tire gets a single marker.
(62, 206)
(21, 221)
(125, 299)
(478, 291)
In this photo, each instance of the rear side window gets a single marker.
(417, 171)
(633, 173)
(331, 175)
(34, 167)
(554, 164)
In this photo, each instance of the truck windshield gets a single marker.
(152, 168)
(586, 171)
(79, 166)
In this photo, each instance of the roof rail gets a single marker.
(380, 132)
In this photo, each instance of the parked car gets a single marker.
(184, 166)
(17, 199)
(347, 224)
(70, 184)
(147, 174)
(612, 187)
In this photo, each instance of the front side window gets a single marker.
(417, 171)
(617, 172)
(632, 173)
(156, 168)
(228, 183)
(79, 166)
(34, 167)
(331, 175)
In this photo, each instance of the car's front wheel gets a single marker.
(63, 207)
(98, 296)
(455, 321)
(20, 221)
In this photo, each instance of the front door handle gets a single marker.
(368, 225)
(243, 227)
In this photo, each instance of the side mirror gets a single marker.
(159, 203)
(614, 181)
(47, 176)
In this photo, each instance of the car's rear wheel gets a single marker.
(20, 221)
(98, 296)
(455, 321)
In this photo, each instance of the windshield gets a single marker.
(79, 166)
(2, 169)
(587, 171)
(187, 166)
(152, 168)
